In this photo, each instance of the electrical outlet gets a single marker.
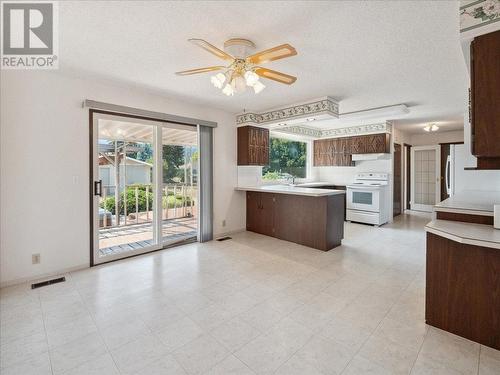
(223, 223)
(35, 258)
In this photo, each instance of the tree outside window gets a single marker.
(286, 159)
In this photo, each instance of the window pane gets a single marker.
(286, 159)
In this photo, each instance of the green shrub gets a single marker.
(109, 203)
(271, 176)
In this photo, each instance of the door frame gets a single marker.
(437, 193)
(407, 176)
(158, 175)
(401, 179)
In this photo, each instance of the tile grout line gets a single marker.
(373, 332)
(479, 359)
(98, 329)
(46, 336)
(419, 350)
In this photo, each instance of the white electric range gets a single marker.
(368, 198)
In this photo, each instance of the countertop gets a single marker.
(466, 233)
(470, 202)
(295, 190)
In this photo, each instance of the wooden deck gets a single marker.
(136, 236)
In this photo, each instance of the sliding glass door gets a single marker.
(144, 193)
(179, 183)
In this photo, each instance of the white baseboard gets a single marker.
(42, 277)
(224, 234)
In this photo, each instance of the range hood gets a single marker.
(358, 157)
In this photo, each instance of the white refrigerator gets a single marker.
(454, 173)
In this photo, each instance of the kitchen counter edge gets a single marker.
(305, 191)
(466, 233)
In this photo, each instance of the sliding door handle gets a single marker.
(98, 188)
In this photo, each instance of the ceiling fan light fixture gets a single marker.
(243, 69)
(240, 84)
(218, 80)
(228, 90)
(258, 87)
(251, 78)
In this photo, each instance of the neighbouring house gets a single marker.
(131, 171)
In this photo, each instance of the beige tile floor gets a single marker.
(250, 305)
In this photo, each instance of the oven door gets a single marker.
(363, 198)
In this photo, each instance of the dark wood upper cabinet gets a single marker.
(485, 99)
(253, 146)
(338, 151)
(358, 145)
(378, 143)
(323, 152)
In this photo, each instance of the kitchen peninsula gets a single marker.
(308, 216)
(463, 268)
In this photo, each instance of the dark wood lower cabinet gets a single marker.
(463, 290)
(260, 213)
(317, 222)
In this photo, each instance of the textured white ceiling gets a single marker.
(366, 54)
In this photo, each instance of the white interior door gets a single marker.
(425, 172)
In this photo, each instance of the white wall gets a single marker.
(45, 167)
(346, 175)
(427, 139)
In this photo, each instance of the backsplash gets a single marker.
(346, 175)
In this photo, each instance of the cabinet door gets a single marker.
(485, 95)
(377, 143)
(323, 152)
(316, 153)
(260, 213)
(358, 145)
(345, 152)
(253, 146)
(253, 136)
(253, 155)
(253, 211)
(288, 217)
(267, 213)
(264, 147)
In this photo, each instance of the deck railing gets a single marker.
(135, 204)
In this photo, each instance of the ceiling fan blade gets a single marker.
(200, 70)
(275, 76)
(271, 54)
(212, 49)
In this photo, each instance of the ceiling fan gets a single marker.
(243, 68)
